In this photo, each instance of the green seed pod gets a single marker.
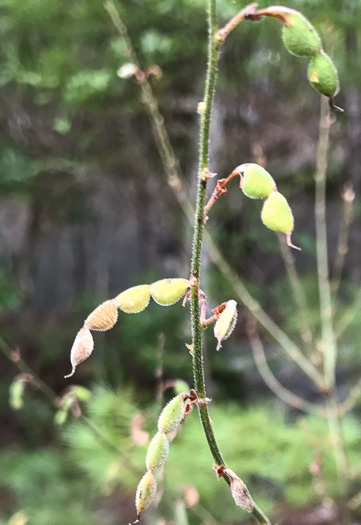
(157, 452)
(300, 37)
(103, 317)
(226, 322)
(171, 415)
(168, 291)
(134, 299)
(256, 182)
(322, 75)
(146, 490)
(276, 213)
(16, 393)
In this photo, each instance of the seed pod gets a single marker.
(157, 452)
(168, 291)
(276, 213)
(16, 393)
(240, 493)
(277, 216)
(300, 37)
(172, 414)
(146, 490)
(134, 299)
(82, 348)
(322, 74)
(256, 182)
(225, 323)
(103, 317)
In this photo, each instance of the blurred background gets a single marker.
(86, 211)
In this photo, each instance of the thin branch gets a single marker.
(337, 442)
(169, 160)
(287, 345)
(348, 197)
(348, 316)
(351, 400)
(328, 338)
(15, 357)
(298, 293)
(271, 381)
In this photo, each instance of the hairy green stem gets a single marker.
(205, 110)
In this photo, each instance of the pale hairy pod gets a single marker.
(134, 299)
(226, 322)
(146, 490)
(82, 348)
(103, 317)
(157, 452)
(168, 291)
(172, 414)
(240, 493)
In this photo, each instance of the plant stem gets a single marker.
(337, 443)
(270, 379)
(328, 338)
(198, 365)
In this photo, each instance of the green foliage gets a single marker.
(262, 448)
(46, 489)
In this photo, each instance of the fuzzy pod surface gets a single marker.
(171, 415)
(322, 74)
(276, 213)
(82, 348)
(134, 299)
(103, 317)
(226, 322)
(257, 183)
(146, 490)
(157, 452)
(300, 37)
(168, 291)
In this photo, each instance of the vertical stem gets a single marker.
(198, 365)
(328, 338)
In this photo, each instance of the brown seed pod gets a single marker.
(240, 493)
(226, 322)
(82, 348)
(103, 317)
(146, 490)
